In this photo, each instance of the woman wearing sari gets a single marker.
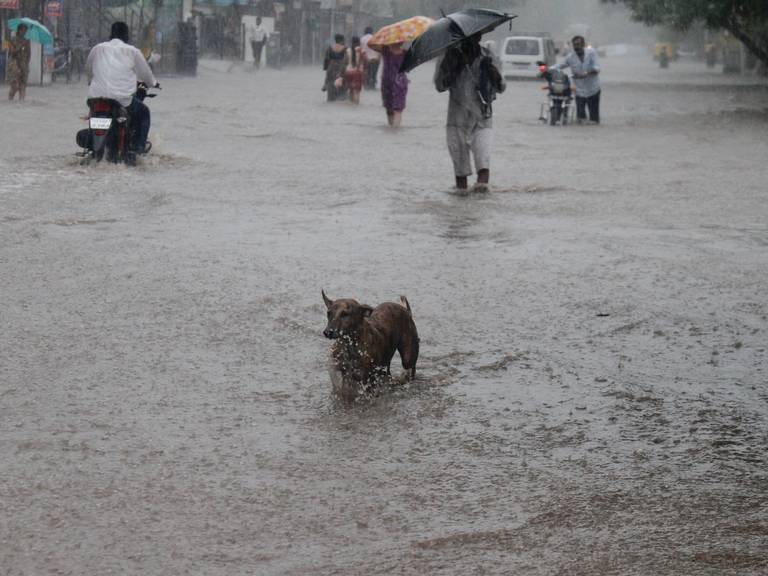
(336, 59)
(19, 52)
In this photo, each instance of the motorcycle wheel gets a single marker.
(565, 116)
(552, 116)
(115, 145)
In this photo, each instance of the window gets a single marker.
(521, 47)
(550, 50)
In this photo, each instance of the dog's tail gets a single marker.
(404, 302)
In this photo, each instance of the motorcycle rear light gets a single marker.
(102, 107)
(99, 132)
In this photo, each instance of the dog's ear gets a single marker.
(365, 310)
(328, 301)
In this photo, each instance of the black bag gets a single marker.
(489, 84)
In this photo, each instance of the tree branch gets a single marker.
(738, 32)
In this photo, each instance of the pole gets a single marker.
(141, 24)
(42, 52)
(314, 47)
(302, 31)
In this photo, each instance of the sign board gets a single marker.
(53, 9)
(9, 4)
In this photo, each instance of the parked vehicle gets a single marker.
(557, 109)
(520, 55)
(109, 131)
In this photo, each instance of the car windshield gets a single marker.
(521, 47)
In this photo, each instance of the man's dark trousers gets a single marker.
(592, 103)
(139, 118)
(257, 47)
(371, 71)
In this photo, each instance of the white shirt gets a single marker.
(113, 69)
(590, 85)
(370, 53)
(257, 33)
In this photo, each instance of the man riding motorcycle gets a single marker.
(113, 69)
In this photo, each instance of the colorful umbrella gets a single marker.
(36, 32)
(400, 32)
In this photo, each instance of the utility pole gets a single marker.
(302, 31)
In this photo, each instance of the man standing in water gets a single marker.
(583, 64)
(471, 73)
(258, 37)
(372, 60)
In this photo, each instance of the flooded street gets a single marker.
(591, 391)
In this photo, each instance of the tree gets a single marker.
(746, 20)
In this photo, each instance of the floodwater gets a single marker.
(591, 394)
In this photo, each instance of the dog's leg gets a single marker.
(409, 352)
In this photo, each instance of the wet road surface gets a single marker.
(591, 394)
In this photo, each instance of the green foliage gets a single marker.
(747, 20)
(682, 14)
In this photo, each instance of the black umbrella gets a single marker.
(449, 31)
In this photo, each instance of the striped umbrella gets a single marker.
(400, 32)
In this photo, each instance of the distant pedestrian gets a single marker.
(372, 60)
(353, 73)
(258, 36)
(394, 84)
(663, 58)
(710, 50)
(583, 64)
(334, 63)
(471, 73)
(19, 52)
(79, 51)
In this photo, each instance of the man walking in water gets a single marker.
(258, 37)
(472, 75)
(583, 64)
(372, 60)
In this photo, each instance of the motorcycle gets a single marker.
(560, 98)
(109, 131)
(62, 64)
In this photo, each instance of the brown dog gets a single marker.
(365, 340)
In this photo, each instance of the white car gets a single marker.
(520, 55)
